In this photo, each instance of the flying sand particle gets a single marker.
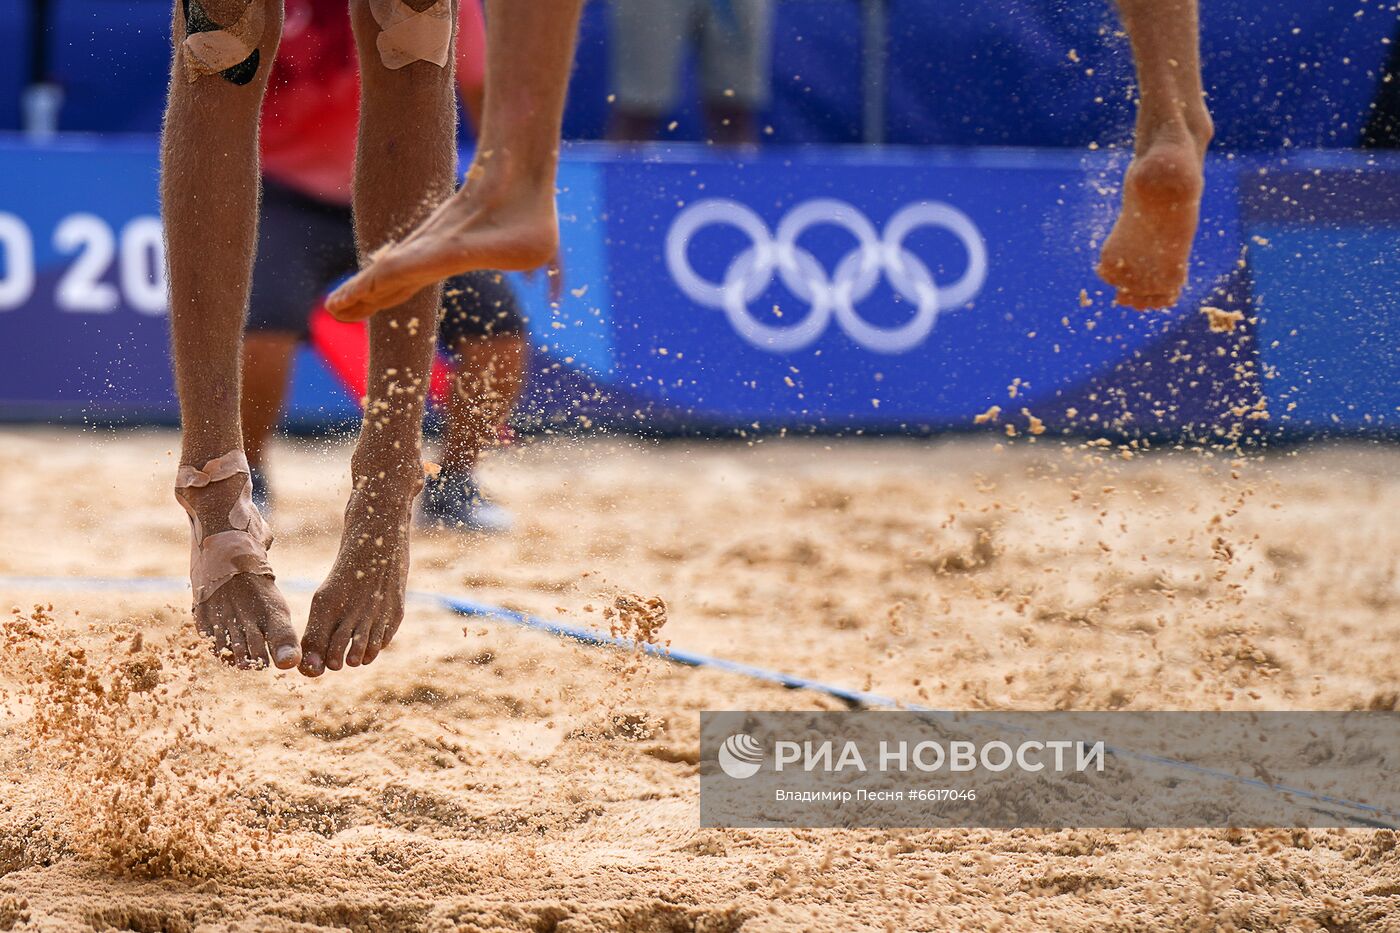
(1222, 322)
(991, 414)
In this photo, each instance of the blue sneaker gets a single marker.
(262, 496)
(456, 502)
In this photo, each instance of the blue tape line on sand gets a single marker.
(1360, 812)
(468, 607)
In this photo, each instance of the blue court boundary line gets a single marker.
(1369, 814)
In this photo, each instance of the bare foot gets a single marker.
(247, 619)
(358, 608)
(236, 603)
(490, 223)
(1147, 255)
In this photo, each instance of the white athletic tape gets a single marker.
(407, 35)
(211, 52)
(217, 558)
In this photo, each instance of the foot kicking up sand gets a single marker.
(236, 603)
(1147, 255)
(359, 607)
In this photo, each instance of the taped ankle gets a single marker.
(217, 558)
(407, 35)
(228, 51)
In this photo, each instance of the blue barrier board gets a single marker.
(828, 289)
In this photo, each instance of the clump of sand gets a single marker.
(114, 725)
(639, 618)
(1220, 320)
(1034, 425)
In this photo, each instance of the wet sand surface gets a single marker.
(479, 777)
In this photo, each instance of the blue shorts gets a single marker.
(305, 246)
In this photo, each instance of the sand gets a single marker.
(480, 777)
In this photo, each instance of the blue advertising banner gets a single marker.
(902, 290)
(907, 290)
(82, 291)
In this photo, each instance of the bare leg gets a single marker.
(486, 385)
(209, 194)
(1147, 254)
(406, 164)
(503, 217)
(267, 369)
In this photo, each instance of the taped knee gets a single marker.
(407, 35)
(229, 51)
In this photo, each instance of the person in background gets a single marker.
(306, 243)
(651, 38)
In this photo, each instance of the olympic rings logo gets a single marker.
(855, 276)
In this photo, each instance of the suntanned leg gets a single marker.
(503, 217)
(209, 194)
(267, 370)
(1146, 256)
(406, 164)
(486, 386)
